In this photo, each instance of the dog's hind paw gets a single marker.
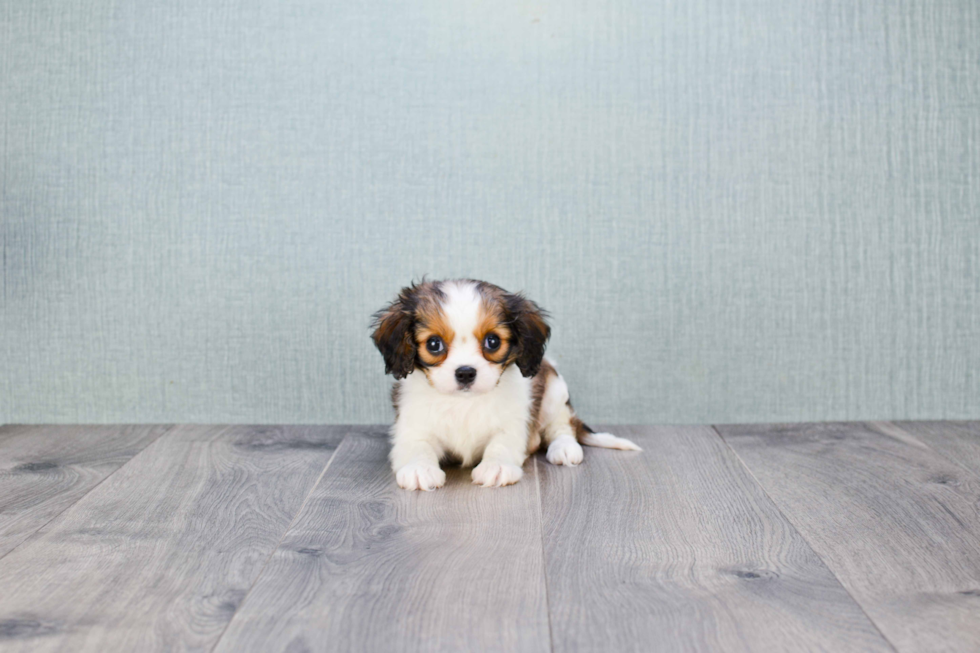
(564, 451)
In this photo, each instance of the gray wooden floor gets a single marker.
(835, 537)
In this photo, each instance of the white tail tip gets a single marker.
(609, 441)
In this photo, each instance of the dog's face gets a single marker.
(461, 334)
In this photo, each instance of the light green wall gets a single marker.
(736, 211)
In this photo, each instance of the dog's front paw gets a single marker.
(564, 451)
(491, 473)
(420, 476)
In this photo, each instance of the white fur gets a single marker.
(486, 423)
(420, 476)
(493, 473)
(609, 441)
(462, 309)
(554, 406)
(565, 450)
(491, 426)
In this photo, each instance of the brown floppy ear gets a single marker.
(394, 333)
(527, 322)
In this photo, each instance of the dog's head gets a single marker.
(461, 334)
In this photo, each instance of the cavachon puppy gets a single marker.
(473, 386)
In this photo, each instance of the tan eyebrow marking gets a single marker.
(492, 321)
(432, 322)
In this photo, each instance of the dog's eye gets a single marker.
(491, 342)
(434, 345)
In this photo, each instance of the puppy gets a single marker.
(473, 386)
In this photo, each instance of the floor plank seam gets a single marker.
(544, 560)
(802, 537)
(282, 538)
(168, 428)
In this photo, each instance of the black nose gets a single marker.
(465, 375)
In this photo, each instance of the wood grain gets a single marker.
(159, 555)
(688, 545)
(370, 567)
(676, 548)
(895, 521)
(45, 469)
(957, 441)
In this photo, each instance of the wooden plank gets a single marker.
(957, 441)
(895, 521)
(45, 469)
(677, 548)
(370, 567)
(159, 555)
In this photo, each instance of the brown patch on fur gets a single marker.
(533, 442)
(395, 326)
(402, 328)
(533, 332)
(493, 319)
(581, 428)
(528, 332)
(393, 338)
(539, 384)
(431, 321)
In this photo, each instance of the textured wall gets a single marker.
(761, 210)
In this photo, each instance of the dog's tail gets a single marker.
(587, 436)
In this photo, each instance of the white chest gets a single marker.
(463, 425)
